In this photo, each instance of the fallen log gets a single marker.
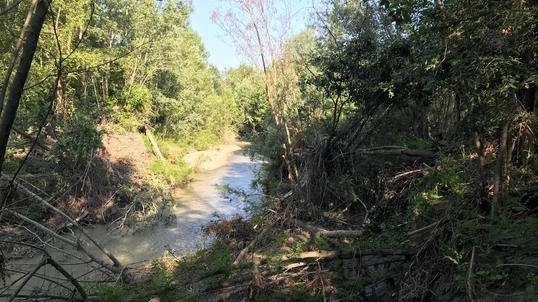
(31, 138)
(321, 255)
(154, 144)
(396, 150)
(317, 231)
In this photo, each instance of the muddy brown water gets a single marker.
(202, 201)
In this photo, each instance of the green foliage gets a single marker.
(173, 171)
(112, 293)
(444, 183)
(249, 96)
(216, 258)
(205, 139)
(414, 143)
(146, 206)
(532, 288)
(175, 174)
(79, 142)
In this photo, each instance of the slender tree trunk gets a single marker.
(5, 84)
(9, 112)
(502, 169)
(531, 139)
(482, 163)
(278, 116)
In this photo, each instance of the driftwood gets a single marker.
(317, 231)
(67, 224)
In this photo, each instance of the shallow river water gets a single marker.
(202, 201)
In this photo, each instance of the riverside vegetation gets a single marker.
(399, 139)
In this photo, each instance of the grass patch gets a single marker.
(205, 139)
(171, 173)
(215, 259)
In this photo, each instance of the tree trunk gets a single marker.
(12, 103)
(154, 145)
(13, 62)
(502, 169)
(481, 150)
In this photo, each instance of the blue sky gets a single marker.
(221, 52)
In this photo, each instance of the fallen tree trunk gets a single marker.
(317, 231)
(75, 244)
(396, 150)
(154, 144)
(117, 266)
(321, 255)
(29, 137)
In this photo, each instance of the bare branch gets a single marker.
(41, 263)
(11, 7)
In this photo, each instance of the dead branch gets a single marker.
(429, 226)
(71, 279)
(29, 276)
(117, 265)
(519, 264)
(76, 244)
(60, 282)
(41, 297)
(43, 228)
(396, 150)
(321, 255)
(469, 275)
(31, 138)
(226, 293)
(318, 231)
(313, 254)
(407, 173)
(47, 259)
(10, 7)
(248, 247)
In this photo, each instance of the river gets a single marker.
(197, 204)
(202, 201)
